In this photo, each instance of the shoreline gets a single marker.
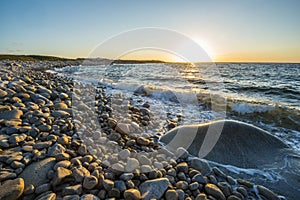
(38, 135)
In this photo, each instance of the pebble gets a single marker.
(46, 196)
(90, 182)
(79, 173)
(132, 194)
(120, 185)
(71, 197)
(214, 191)
(267, 193)
(126, 176)
(201, 165)
(143, 141)
(171, 195)
(194, 186)
(63, 163)
(131, 164)
(12, 189)
(182, 167)
(72, 190)
(29, 189)
(60, 174)
(182, 185)
(124, 154)
(89, 197)
(154, 188)
(108, 184)
(43, 188)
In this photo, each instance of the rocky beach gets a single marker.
(51, 147)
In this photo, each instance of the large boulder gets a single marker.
(233, 145)
(227, 142)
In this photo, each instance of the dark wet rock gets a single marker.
(201, 165)
(42, 188)
(11, 114)
(267, 193)
(60, 114)
(214, 191)
(12, 189)
(36, 172)
(154, 188)
(46, 196)
(42, 145)
(4, 175)
(71, 197)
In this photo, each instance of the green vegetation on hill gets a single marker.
(32, 58)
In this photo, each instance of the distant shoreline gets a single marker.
(106, 60)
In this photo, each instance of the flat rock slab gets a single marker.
(36, 172)
(234, 143)
(228, 142)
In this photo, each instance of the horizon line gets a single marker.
(3, 57)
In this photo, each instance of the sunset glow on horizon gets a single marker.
(228, 31)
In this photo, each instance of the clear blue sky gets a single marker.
(247, 30)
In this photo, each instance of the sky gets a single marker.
(227, 30)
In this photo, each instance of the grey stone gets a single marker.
(89, 182)
(199, 178)
(131, 164)
(124, 154)
(222, 134)
(79, 173)
(11, 189)
(154, 188)
(11, 114)
(60, 174)
(72, 190)
(46, 196)
(126, 176)
(182, 185)
(43, 188)
(182, 167)
(7, 175)
(120, 185)
(171, 195)
(71, 197)
(36, 172)
(108, 184)
(143, 141)
(63, 163)
(56, 149)
(201, 165)
(42, 145)
(89, 197)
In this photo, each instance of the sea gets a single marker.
(263, 94)
(266, 95)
